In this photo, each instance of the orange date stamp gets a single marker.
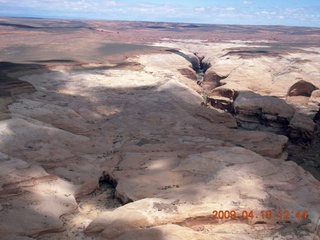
(264, 214)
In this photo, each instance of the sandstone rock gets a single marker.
(192, 58)
(36, 148)
(169, 231)
(253, 111)
(216, 117)
(28, 191)
(301, 88)
(115, 223)
(262, 112)
(315, 97)
(223, 98)
(275, 185)
(221, 103)
(211, 173)
(224, 92)
(188, 73)
(263, 143)
(9, 87)
(264, 105)
(301, 128)
(211, 80)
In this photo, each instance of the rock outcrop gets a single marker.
(265, 113)
(211, 80)
(9, 87)
(254, 111)
(223, 98)
(302, 88)
(301, 128)
(31, 199)
(193, 186)
(315, 97)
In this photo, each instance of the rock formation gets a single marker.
(301, 88)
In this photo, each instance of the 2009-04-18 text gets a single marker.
(264, 214)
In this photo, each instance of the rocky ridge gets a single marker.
(263, 90)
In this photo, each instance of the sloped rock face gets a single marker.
(211, 80)
(301, 128)
(189, 73)
(9, 87)
(190, 57)
(31, 199)
(254, 111)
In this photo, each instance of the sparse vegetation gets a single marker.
(205, 98)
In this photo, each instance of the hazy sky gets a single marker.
(265, 12)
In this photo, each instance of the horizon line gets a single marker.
(146, 21)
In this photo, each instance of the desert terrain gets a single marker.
(142, 130)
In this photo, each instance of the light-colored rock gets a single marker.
(273, 114)
(169, 231)
(28, 191)
(263, 143)
(263, 105)
(227, 178)
(315, 97)
(115, 223)
(216, 117)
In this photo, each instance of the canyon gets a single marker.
(140, 130)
